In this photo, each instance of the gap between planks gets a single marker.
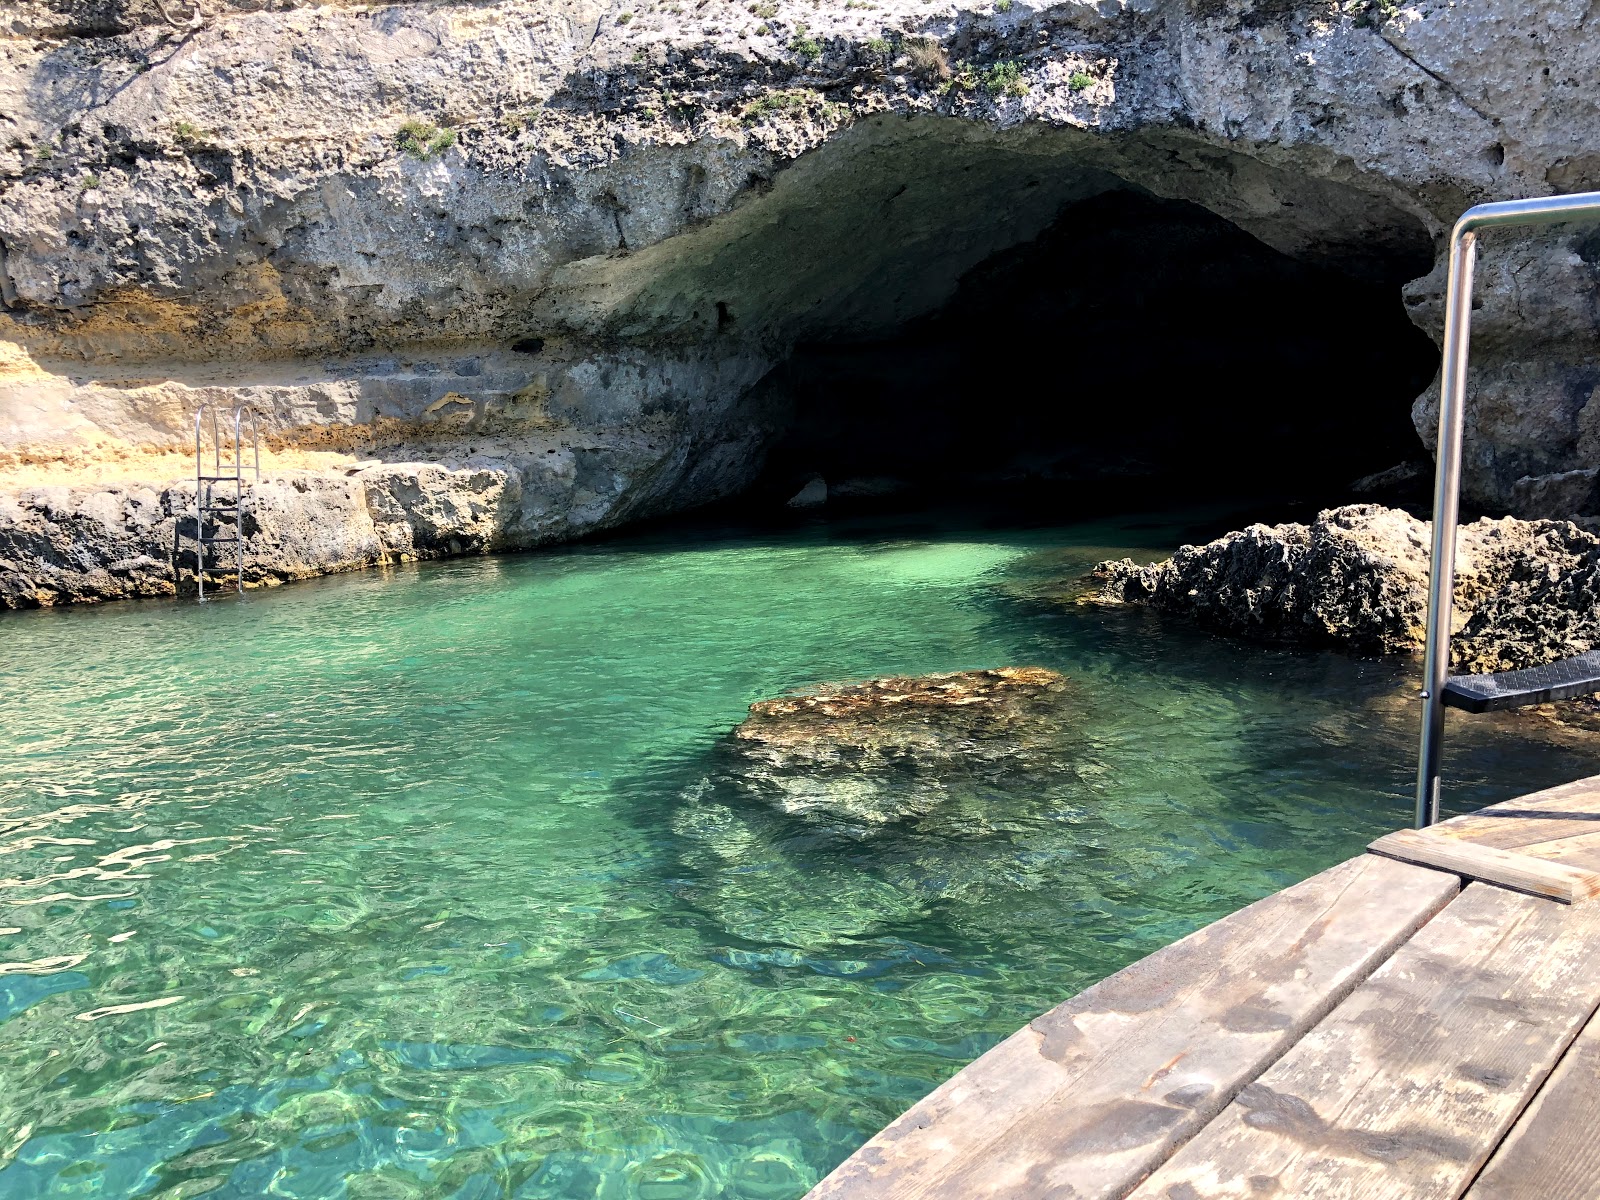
(1521, 872)
(1411, 1085)
(1553, 1151)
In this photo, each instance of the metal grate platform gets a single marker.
(1563, 680)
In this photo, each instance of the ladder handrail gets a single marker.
(1540, 210)
(203, 483)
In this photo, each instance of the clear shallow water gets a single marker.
(408, 884)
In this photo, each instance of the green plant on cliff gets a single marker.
(1080, 80)
(879, 46)
(1372, 13)
(624, 18)
(774, 103)
(765, 11)
(423, 139)
(89, 182)
(187, 134)
(803, 44)
(1005, 79)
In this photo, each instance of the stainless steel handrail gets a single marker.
(1543, 210)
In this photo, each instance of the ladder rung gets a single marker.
(239, 478)
(219, 508)
(212, 541)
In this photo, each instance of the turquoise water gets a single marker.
(409, 883)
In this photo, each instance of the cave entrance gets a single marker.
(1139, 350)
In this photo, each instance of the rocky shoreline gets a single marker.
(62, 544)
(1356, 578)
(424, 234)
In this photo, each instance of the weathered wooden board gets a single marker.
(1582, 851)
(1512, 869)
(1094, 1094)
(1565, 811)
(1553, 1151)
(1408, 1087)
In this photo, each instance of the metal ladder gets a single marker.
(1564, 680)
(207, 502)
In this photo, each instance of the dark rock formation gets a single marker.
(1527, 592)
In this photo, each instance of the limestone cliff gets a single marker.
(502, 272)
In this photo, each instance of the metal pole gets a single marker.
(1446, 507)
(1543, 210)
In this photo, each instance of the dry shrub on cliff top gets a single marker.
(928, 58)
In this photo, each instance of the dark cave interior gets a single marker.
(1139, 350)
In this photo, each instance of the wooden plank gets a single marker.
(1565, 811)
(1553, 1151)
(1408, 1087)
(1096, 1092)
(1521, 872)
(1582, 851)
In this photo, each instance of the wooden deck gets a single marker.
(1416, 1022)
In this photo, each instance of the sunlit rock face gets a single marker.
(1527, 592)
(420, 233)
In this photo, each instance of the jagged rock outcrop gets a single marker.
(405, 232)
(1527, 592)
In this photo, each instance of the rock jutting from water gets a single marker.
(1527, 592)
(899, 748)
(885, 796)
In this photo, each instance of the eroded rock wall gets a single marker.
(348, 216)
(1527, 592)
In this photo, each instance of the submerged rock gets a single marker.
(896, 748)
(885, 797)
(1527, 592)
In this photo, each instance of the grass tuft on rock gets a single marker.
(804, 44)
(774, 103)
(423, 139)
(1005, 79)
(187, 134)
